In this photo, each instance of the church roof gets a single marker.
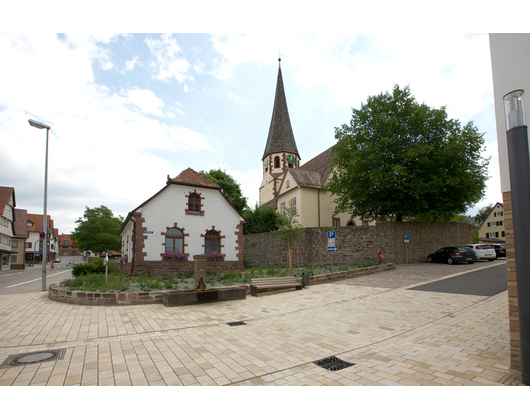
(320, 164)
(281, 137)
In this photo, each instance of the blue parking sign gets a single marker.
(331, 234)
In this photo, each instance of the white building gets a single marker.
(189, 216)
(7, 217)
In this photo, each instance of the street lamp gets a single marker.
(40, 125)
(519, 164)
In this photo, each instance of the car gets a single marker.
(483, 251)
(500, 250)
(452, 255)
(57, 260)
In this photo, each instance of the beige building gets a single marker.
(286, 182)
(492, 229)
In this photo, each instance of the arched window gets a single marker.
(174, 240)
(350, 223)
(277, 162)
(212, 241)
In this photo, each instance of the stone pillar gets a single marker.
(200, 268)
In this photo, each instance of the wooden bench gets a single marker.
(274, 283)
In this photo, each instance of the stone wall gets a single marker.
(359, 245)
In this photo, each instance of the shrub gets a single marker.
(94, 267)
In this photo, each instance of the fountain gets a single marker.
(201, 293)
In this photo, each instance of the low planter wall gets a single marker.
(62, 294)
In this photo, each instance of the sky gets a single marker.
(129, 109)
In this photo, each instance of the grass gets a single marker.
(148, 282)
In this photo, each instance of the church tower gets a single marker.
(280, 152)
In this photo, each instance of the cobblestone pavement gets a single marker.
(391, 335)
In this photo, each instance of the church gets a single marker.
(286, 182)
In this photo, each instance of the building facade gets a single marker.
(34, 244)
(18, 244)
(7, 232)
(189, 216)
(492, 230)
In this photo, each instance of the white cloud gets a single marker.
(130, 64)
(198, 66)
(168, 59)
(146, 100)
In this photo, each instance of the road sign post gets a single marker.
(332, 248)
(406, 240)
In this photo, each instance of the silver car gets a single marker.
(483, 251)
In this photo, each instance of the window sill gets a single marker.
(195, 213)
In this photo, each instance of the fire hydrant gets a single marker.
(379, 255)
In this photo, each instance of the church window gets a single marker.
(277, 162)
(293, 205)
(174, 240)
(212, 241)
(282, 206)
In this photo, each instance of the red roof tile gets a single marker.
(5, 195)
(21, 223)
(190, 177)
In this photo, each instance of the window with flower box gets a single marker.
(212, 241)
(174, 240)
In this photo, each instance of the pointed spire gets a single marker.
(281, 137)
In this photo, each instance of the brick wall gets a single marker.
(359, 245)
(513, 307)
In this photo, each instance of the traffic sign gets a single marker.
(331, 238)
(42, 235)
(331, 234)
(406, 239)
(37, 254)
(333, 249)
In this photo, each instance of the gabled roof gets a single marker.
(498, 203)
(320, 164)
(192, 178)
(314, 173)
(281, 137)
(37, 222)
(5, 195)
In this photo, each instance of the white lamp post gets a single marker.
(40, 125)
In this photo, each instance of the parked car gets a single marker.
(483, 251)
(500, 250)
(57, 260)
(453, 254)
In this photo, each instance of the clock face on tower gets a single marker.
(290, 159)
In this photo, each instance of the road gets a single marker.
(30, 279)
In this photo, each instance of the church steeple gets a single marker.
(281, 137)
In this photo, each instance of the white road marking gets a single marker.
(31, 281)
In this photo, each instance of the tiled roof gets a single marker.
(281, 137)
(190, 177)
(5, 195)
(37, 222)
(306, 179)
(320, 163)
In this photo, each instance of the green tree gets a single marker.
(399, 159)
(289, 228)
(260, 219)
(97, 230)
(483, 212)
(231, 189)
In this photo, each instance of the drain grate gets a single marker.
(235, 324)
(333, 363)
(32, 358)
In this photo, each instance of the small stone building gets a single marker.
(189, 216)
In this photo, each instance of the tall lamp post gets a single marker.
(40, 125)
(519, 164)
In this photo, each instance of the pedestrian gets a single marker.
(52, 268)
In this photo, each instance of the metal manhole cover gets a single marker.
(235, 324)
(333, 363)
(32, 358)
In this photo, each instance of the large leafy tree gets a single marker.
(398, 158)
(97, 230)
(231, 188)
(483, 213)
(261, 219)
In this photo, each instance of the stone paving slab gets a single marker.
(393, 336)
